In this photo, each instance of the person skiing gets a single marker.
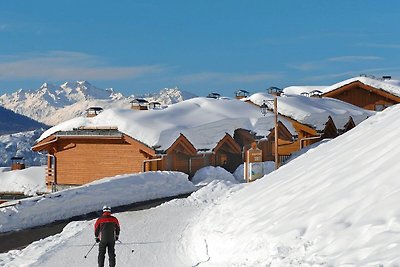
(106, 232)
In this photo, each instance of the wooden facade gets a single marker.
(76, 160)
(364, 96)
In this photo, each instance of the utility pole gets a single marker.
(276, 132)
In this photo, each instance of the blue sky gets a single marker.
(200, 46)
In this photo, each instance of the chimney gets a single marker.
(239, 94)
(93, 111)
(17, 163)
(139, 104)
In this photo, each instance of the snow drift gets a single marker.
(335, 205)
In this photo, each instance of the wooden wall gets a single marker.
(362, 96)
(82, 161)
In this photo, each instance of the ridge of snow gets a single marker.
(204, 121)
(120, 190)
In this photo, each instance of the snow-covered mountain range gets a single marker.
(52, 104)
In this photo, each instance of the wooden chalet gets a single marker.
(86, 154)
(183, 156)
(364, 95)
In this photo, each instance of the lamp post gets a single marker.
(264, 110)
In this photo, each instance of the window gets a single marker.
(380, 107)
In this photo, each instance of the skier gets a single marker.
(106, 231)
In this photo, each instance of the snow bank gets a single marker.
(208, 174)
(268, 166)
(335, 205)
(115, 191)
(28, 181)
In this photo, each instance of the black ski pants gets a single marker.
(102, 253)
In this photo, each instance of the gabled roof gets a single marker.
(390, 87)
(283, 132)
(184, 143)
(227, 139)
(111, 133)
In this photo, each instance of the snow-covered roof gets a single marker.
(390, 86)
(204, 121)
(298, 90)
(314, 111)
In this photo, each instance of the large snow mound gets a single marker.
(204, 121)
(335, 205)
(29, 181)
(208, 174)
(115, 191)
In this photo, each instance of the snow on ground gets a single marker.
(29, 181)
(336, 205)
(208, 174)
(116, 191)
(156, 235)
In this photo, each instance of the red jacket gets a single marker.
(107, 227)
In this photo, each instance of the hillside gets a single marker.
(52, 104)
(335, 205)
(19, 144)
(11, 122)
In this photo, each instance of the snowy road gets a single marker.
(157, 240)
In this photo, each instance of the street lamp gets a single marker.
(264, 111)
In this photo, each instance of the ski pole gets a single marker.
(90, 250)
(125, 244)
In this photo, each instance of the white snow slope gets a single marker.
(336, 205)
